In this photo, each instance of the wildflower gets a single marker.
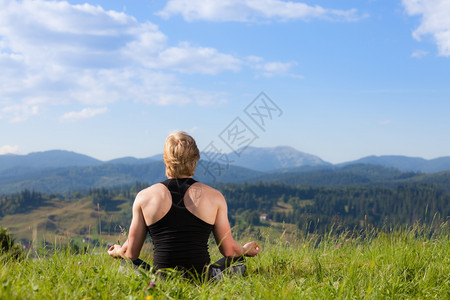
(148, 297)
(79, 263)
(152, 284)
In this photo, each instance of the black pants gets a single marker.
(215, 271)
(226, 265)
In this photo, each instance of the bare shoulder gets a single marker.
(153, 192)
(207, 192)
(153, 203)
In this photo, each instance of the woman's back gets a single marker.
(180, 238)
(180, 214)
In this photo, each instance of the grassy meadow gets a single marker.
(406, 263)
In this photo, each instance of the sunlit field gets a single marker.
(410, 263)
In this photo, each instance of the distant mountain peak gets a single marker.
(61, 170)
(405, 163)
(273, 158)
(47, 159)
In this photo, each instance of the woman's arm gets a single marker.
(136, 236)
(222, 234)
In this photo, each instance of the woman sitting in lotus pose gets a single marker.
(180, 214)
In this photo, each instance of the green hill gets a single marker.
(108, 175)
(108, 210)
(407, 263)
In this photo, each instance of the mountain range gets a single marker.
(269, 159)
(62, 171)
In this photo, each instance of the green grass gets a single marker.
(408, 263)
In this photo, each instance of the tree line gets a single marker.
(354, 207)
(21, 202)
(311, 208)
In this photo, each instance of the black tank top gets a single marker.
(180, 239)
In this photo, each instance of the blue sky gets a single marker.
(344, 79)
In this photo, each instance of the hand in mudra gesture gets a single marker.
(251, 249)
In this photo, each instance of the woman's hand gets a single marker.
(251, 249)
(114, 251)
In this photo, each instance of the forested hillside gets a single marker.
(320, 208)
(62, 171)
(310, 208)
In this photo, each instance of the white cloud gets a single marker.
(85, 113)
(19, 112)
(273, 68)
(62, 54)
(54, 53)
(9, 149)
(187, 59)
(276, 68)
(435, 21)
(419, 54)
(253, 10)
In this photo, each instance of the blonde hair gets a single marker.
(180, 155)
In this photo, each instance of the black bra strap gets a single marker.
(177, 188)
